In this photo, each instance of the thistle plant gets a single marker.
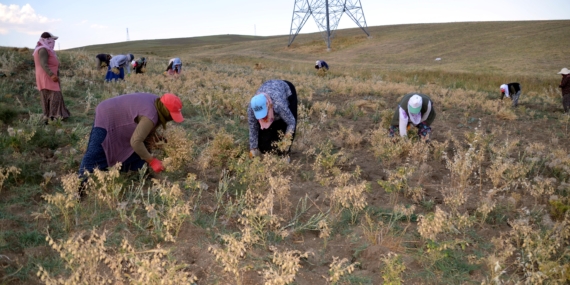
(166, 209)
(68, 200)
(324, 231)
(259, 217)
(281, 186)
(392, 269)
(105, 185)
(178, 149)
(347, 195)
(398, 181)
(339, 268)
(230, 255)
(372, 229)
(327, 162)
(348, 137)
(5, 172)
(89, 261)
(284, 267)
(219, 151)
(429, 226)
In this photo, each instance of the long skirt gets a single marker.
(269, 136)
(53, 105)
(111, 76)
(95, 155)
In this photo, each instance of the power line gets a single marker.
(327, 15)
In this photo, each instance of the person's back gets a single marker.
(117, 116)
(511, 90)
(174, 66)
(140, 65)
(321, 64)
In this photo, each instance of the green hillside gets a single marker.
(519, 48)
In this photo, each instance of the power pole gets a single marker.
(327, 15)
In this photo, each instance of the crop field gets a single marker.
(485, 202)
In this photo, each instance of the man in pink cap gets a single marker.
(272, 112)
(413, 110)
(122, 124)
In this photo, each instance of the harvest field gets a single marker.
(486, 202)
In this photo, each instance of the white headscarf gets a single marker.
(506, 88)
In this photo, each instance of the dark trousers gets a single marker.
(95, 155)
(270, 136)
(566, 102)
(139, 68)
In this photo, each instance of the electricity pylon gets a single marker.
(327, 14)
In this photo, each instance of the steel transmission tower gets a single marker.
(327, 14)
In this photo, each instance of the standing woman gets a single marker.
(565, 87)
(272, 110)
(47, 78)
(116, 70)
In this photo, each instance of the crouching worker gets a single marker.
(121, 126)
(271, 112)
(414, 110)
(321, 64)
(103, 60)
(117, 64)
(174, 66)
(511, 90)
(139, 65)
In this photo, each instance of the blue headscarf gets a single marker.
(177, 64)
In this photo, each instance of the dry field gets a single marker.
(486, 202)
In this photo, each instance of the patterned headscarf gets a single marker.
(47, 43)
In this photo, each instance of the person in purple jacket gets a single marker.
(121, 126)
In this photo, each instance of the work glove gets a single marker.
(254, 153)
(54, 78)
(156, 165)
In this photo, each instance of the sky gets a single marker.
(82, 23)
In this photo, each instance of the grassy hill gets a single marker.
(502, 48)
(487, 201)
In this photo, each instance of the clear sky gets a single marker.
(81, 23)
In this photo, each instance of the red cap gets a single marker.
(174, 106)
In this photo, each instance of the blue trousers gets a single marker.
(111, 76)
(95, 155)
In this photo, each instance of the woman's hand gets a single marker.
(254, 153)
(156, 165)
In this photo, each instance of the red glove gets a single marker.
(156, 165)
